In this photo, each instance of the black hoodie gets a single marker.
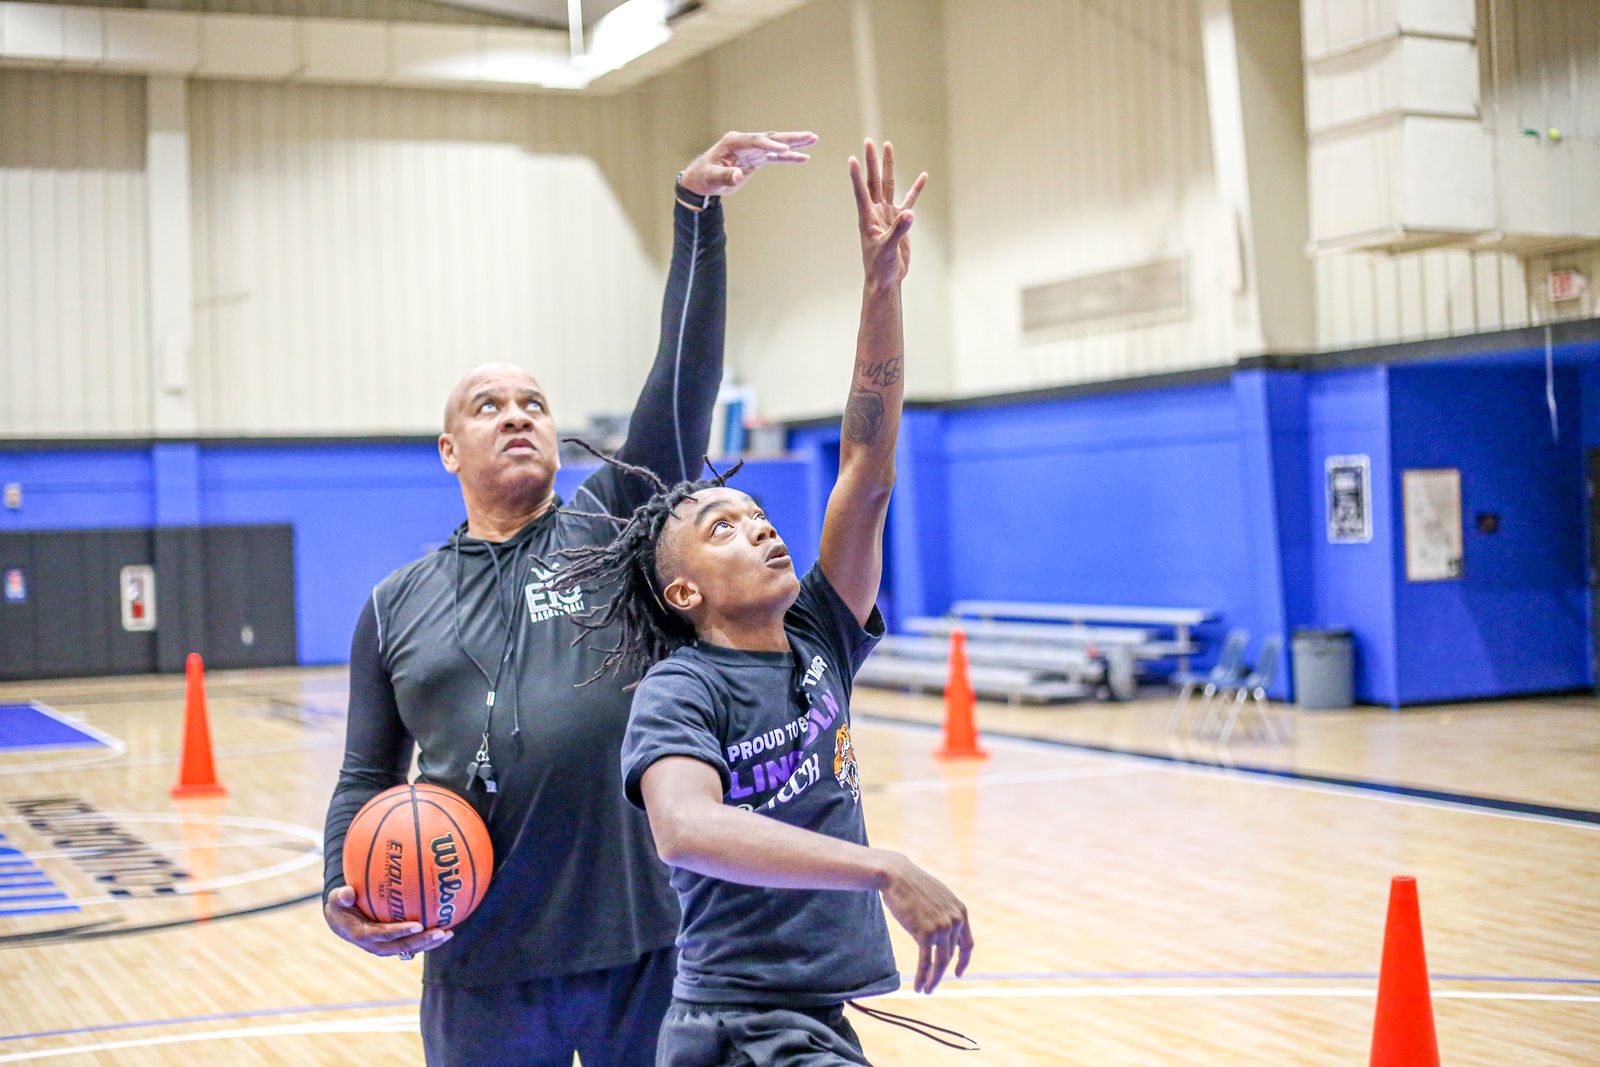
(577, 884)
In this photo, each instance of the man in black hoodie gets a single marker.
(467, 656)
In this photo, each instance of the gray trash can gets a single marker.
(1324, 668)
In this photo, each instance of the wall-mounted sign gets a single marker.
(1349, 500)
(1432, 502)
(16, 583)
(138, 591)
(1560, 285)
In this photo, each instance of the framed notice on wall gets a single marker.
(1349, 500)
(1432, 502)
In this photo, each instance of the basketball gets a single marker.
(418, 853)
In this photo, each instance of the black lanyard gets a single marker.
(482, 769)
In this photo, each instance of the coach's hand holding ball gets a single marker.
(381, 939)
(418, 859)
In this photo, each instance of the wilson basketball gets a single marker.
(418, 853)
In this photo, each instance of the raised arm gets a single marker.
(670, 428)
(852, 529)
(695, 830)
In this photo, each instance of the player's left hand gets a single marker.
(885, 226)
(727, 165)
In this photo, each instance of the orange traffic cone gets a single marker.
(1402, 1034)
(960, 728)
(198, 777)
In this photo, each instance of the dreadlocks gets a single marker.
(647, 631)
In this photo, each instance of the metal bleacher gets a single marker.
(1034, 652)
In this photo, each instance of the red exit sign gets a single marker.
(1564, 285)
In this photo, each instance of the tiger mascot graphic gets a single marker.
(844, 763)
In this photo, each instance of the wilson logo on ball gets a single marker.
(418, 853)
(444, 857)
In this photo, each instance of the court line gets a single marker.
(933, 785)
(311, 836)
(221, 1016)
(102, 762)
(168, 846)
(1367, 976)
(1390, 792)
(407, 1022)
(956, 984)
(375, 1025)
(1200, 992)
(97, 931)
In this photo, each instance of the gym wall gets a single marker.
(74, 333)
(354, 251)
(357, 511)
(396, 236)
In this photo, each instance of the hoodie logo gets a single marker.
(545, 604)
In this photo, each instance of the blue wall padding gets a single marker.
(1136, 498)
(358, 510)
(1352, 585)
(1206, 495)
(77, 489)
(1516, 620)
(175, 473)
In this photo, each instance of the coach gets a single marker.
(465, 656)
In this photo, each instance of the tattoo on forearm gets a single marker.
(863, 416)
(884, 372)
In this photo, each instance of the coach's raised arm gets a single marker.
(466, 657)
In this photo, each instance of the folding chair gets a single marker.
(1228, 672)
(1253, 690)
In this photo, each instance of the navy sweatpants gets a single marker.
(611, 1018)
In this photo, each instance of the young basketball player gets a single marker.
(739, 747)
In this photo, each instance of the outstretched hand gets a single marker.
(885, 247)
(728, 164)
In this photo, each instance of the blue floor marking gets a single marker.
(39, 911)
(27, 726)
(22, 874)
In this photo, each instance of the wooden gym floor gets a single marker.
(1187, 905)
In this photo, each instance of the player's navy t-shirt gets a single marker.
(776, 726)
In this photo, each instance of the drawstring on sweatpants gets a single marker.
(917, 1026)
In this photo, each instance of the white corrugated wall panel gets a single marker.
(73, 320)
(357, 250)
(794, 291)
(1079, 144)
(1542, 71)
(1370, 298)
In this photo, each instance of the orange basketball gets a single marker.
(418, 853)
